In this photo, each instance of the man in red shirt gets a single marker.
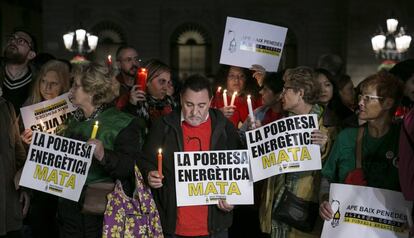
(195, 127)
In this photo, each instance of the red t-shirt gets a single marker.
(193, 220)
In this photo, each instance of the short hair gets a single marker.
(387, 86)
(331, 62)
(197, 83)
(155, 68)
(123, 47)
(274, 81)
(96, 80)
(342, 80)
(403, 70)
(63, 73)
(304, 77)
(33, 42)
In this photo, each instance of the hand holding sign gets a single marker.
(224, 206)
(99, 152)
(26, 136)
(319, 137)
(325, 211)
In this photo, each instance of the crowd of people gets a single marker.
(365, 136)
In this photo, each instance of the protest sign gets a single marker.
(57, 165)
(204, 177)
(47, 115)
(249, 42)
(283, 146)
(366, 212)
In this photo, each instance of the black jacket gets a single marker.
(166, 133)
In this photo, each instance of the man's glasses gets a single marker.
(368, 98)
(18, 40)
(135, 59)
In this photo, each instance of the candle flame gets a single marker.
(248, 96)
(235, 93)
(96, 123)
(110, 58)
(159, 151)
(218, 89)
(143, 69)
(225, 91)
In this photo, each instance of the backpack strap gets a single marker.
(358, 147)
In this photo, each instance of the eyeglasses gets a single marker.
(287, 88)
(234, 76)
(368, 98)
(135, 59)
(18, 40)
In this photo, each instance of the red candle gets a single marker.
(159, 159)
(141, 79)
(109, 62)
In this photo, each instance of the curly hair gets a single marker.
(96, 80)
(387, 86)
(304, 78)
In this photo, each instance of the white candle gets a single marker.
(233, 97)
(225, 97)
(249, 106)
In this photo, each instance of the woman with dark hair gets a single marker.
(235, 79)
(335, 112)
(380, 95)
(116, 143)
(405, 71)
(154, 102)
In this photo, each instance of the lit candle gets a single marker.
(109, 62)
(159, 159)
(94, 130)
(141, 79)
(233, 97)
(249, 106)
(218, 92)
(225, 97)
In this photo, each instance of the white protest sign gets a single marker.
(366, 212)
(249, 42)
(204, 177)
(57, 165)
(283, 146)
(47, 115)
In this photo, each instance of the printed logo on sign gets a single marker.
(337, 215)
(232, 44)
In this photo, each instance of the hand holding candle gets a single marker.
(159, 160)
(233, 97)
(225, 97)
(250, 107)
(94, 130)
(141, 79)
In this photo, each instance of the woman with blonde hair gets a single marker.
(116, 143)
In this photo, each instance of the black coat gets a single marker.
(166, 133)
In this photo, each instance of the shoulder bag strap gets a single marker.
(358, 147)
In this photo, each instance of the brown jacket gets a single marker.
(12, 158)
